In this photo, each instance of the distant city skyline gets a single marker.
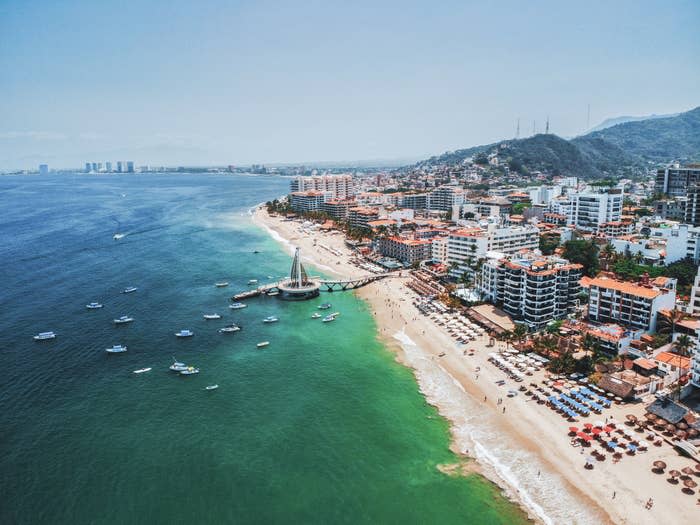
(218, 83)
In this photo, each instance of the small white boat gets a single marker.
(211, 387)
(315, 315)
(212, 316)
(328, 318)
(325, 306)
(116, 349)
(270, 319)
(124, 319)
(93, 306)
(142, 370)
(184, 333)
(189, 371)
(43, 336)
(130, 289)
(118, 236)
(335, 314)
(178, 367)
(237, 306)
(221, 285)
(253, 281)
(229, 329)
(272, 293)
(262, 344)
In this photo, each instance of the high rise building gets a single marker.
(675, 180)
(445, 197)
(340, 186)
(588, 211)
(43, 169)
(87, 167)
(130, 166)
(108, 166)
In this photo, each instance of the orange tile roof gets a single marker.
(621, 286)
(673, 359)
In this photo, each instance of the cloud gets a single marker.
(32, 135)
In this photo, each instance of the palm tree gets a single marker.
(668, 322)
(507, 336)
(682, 345)
(519, 333)
(609, 255)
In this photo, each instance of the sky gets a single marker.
(223, 82)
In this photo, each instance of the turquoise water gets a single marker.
(322, 426)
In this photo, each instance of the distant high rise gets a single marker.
(87, 167)
(94, 167)
(108, 166)
(130, 166)
(120, 166)
(43, 169)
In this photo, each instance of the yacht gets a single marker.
(262, 344)
(211, 387)
(315, 315)
(118, 236)
(229, 329)
(189, 371)
(178, 367)
(130, 289)
(116, 349)
(184, 333)
(221, 285)
(237, 306)
(328, 318)
(142, 370)
(325, 306)
(270, 319)
(44, 335)
(93, 306)
(212, 316)
(272, 293)
(253, 281)
(124, 319)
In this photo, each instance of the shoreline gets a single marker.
(524, 452)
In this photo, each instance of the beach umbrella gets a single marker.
(608, 429)
(599, 424)
(573, 429)
(687, 471)
(682, 425)
(650, 416)
(631, 417)
(690, 483)
(697, 468)
(596, 431)
(692, 433)
(659, 464)
(588, 425)
(631, 447)
(670, 428)
(612, 444)
(674, 473)
(681, 434)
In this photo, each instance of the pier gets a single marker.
(299, 286)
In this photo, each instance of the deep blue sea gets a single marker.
(322, 426)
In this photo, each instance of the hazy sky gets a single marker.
(203, 82)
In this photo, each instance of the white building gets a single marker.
(445, 198)
(587, 211)
(694, 301)
(544, 194)
(308, 201)
(438, 252)
(339, 186)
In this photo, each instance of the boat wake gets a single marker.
(476, 433)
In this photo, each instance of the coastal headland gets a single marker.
(521, 446)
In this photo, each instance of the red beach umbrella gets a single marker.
(588, 425)
(596, 431)
(573, 429)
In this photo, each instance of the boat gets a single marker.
(325, 306)
(124, 319)
(93, 306)
(237, 306)
(272, 293)
(256, 251)
(118, 236)
(43, 336)
(129, 289)
(212, 316)
(221, 285)
(184, 333)
(328, 318)
(116, 349)
(315, 315)
(189, 371)
(178, 367)
(229, 329)
(262, 344)
(211, 387)
(253, 281)
(335, 314)
(142, 370)
(270, 319)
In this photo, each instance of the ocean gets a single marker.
(321, 426)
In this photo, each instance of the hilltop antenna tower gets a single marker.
(588, 118)
(534, 127)
(517, 130)
(546, 129)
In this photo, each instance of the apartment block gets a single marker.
(308, 201)
(339, 186)
(675, 180)
(408, 251)
(588, 211)
(358, 217)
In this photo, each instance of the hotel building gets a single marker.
(408, 251)
(339, 186)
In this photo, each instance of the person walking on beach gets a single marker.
(504, 410)
(614, 494)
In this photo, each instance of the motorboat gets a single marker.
(328, 318)
(93, 306)
(237, 306)
(256, 251)
(190, 370)
(129, 289)
(272, 293)
(118, 236)
(325, 306)
(43, 336)
(335, 314)
(178, 367)
(262, 344)
(212, 316)
(229, 329)
(142, 370)
(315, 315)
(270, 319)
(211, 387)
(116, 349)
(221, 285)
(253, 281)
(124, 319)
(184, 333)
